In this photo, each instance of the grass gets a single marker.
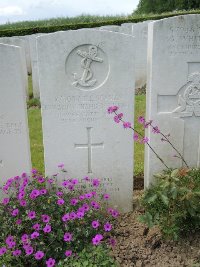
(35, 131)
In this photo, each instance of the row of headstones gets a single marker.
(83, 72)
(28, 45)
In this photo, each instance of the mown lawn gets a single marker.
(35, 129)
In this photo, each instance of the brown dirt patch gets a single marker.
(140, 247)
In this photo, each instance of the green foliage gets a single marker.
(173, 202)
(90, 257)
(160, 6)
(27, 28)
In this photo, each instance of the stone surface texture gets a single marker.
(81, 74)
(173, 92)
(14, 140)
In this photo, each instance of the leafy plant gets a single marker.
(43, 223)
(173, 202)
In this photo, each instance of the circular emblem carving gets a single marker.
(87, 67)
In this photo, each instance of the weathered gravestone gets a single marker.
(81, 73)
(25, 38)
(140, 32)
(14, 141)
(19, 43)
(173, 91)
(113, 28)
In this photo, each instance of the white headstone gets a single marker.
(82, 73)
(14, 141)
(112, 28)
(140, 32)
(173, 91)
(20, 43)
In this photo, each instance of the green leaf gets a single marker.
(164, 199)
(152, 198)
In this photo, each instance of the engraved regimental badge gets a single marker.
(87, 67)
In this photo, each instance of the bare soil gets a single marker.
(138, 246)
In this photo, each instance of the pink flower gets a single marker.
(60, 202)
(97, 239)
(96, 182)
(82, 197)
(3, 250)
(72, 215)
(24, 238)
(50, 181)
(43, 191)
(45, 218)
(18, 221)
(36, 226)
(35, 193)
(86, 207)
(112, 109)
(34, 171)
(136, 137)
(31, 214)
(50, 262)
(116, 119)
(95, 224)
(71, 187)
(23, 203)
(59, 194)
(68, 253)
(29, 250)
(34, 235)
(73, 201)
(21, 195)
(61, 165)
(66, 217)
(5, 201)
(95, 205)
(145, 140)
(112, 242)
(115, 213)
(126, 125)
(39, 255)
(80, 214)
(141, 120)
(88, 195)
(17, 252)
(47, 229)
(74, 181)
(15, 212)
(86, 178)
(156, 130)
(41, 180)
(65, 183)
(106, 196)
(67, 237)
(107, 227)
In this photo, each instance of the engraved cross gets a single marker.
(89, 147)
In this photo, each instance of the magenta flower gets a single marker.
(67, 237)
(106, 196)
(47, 229)
(116, 119)
(21, 195)
(68, 253)
(86, 178)
(50, 262)
(95, 205)
(60, 201)
(17, 252)
(3, 250)
(96, 182)
(112, 109)
(145, 140)
(50, 181)
(18, 221)
(115, 213)
(107, 227)
(24, 238)
(156, 130)
(82, 197)
(72, 215)
(59, 194)
(65, 183)
(74, 181)
(41, 180)
(5, 201)
(22, 203)
(31, 214)
(88, 195)
(80, 214)
(36, 226)
(112, 242)
(126, 125)
(15, 212)
(45, 218)
(95, 224)
(66, 217)
(35, 193)
(34, 171)
(43, 191)
(34, 235)
(141, 120)
(71, 187)
(29, 250)
(61, 165)
(135, 137)
(97, 239)
(86, 207)
(73, 201)
(39, 255)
